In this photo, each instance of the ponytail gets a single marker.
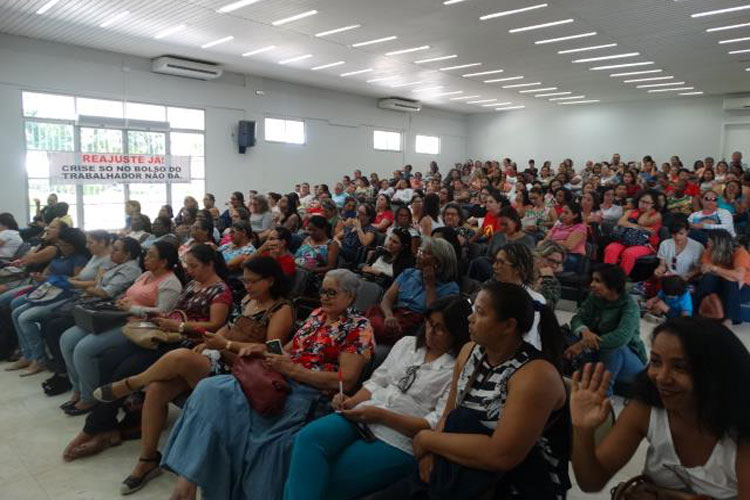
(206, 254)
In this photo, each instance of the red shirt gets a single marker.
(690, 189)
(490, 225)
(386, 214)
(286, 262)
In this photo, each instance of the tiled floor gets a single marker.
(34, 432)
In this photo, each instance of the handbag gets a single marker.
(642, 488)
(54, 289)
(149, 336)
(10, 274)
(631, 236)
(99, 317)
(264, 388)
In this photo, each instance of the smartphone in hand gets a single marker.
(274, 347)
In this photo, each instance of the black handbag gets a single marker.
(99, 317)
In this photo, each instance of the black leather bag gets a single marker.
(99, 317)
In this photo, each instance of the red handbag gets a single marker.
(264, 388)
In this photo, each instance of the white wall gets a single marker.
(338, 126)
(689, 127)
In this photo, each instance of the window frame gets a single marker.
(285, 120)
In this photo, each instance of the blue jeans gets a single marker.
(732, 296)
(26, 318)
(622, 363)
(331, 462)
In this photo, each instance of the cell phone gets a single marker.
(364, 432)
(274, 347)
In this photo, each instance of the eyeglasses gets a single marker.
(709, 199)
(248, 281)
(329, 292)
(553, 261)
(405, 382)
(502, 262)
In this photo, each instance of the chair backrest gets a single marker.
(299, 283)
(469, 286)
(368, 295)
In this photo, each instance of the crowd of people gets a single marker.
(397, 337)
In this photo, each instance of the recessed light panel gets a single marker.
(407, 51)
(169, 31)
(615, 66)
(511, 12)
(217, 42)
(654, 85)
(329, 65)
(259, 51)
(565, 38)
(295, 59)
(113, 20)
(519, 85)
(236, 5)
(358, 72)
(606, 58)
(460, 66)
(372, 42)
(433, 59)
(295, 17)
(338, 30)
(506, 79)
(586, 49)
(540, 26)
(492, 72)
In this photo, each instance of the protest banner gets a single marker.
(96, 168)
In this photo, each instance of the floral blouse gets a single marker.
(196, 302)
(317, 346)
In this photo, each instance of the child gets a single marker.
(672, 300)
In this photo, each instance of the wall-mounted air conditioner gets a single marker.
(188, 68)
(737, 103)
(397, 104)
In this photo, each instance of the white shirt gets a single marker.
(306, 200)
(13, 242)
(611, 214)
(532, 336)
(384, 267)
(403, 195)
(719, 219)
(688, 259)
(425, 398)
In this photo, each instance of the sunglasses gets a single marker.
(674, 263)
(405, 382)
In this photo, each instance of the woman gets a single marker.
(140, 228)
(508, 400)
(561, 196)
(153, 292)
(608, 323)
(679, 255)
(240, 248)
(357, 233)
(261, 218)
(610, 211)
(236, 200)
(276, 246)
(725, 266)
(494, 201)
(10, 238)
(707, 180)
(417, 208)
(590, 213)
(333, 345)
(348, 211)
(545, 175)
(731, 200)
(319, 252)
(646, 219)
(132, 209)
(405, 395)
(209, 203)
(384, 214)
(453, 217)
(189, 205)
(201, 233)
(512, 232)
(570, 232)
(386, 264)
(722, 169)
(185, 225)
(267, 314)
(687, 407)
(431, 219)
(710, 217)
(631, 184)
(538, 217)
(288, 212)
(549, 260)
(403, 306)
(621, 195)
(403, 192)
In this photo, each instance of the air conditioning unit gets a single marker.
(737, 103)
(188, 68)
(397, 104)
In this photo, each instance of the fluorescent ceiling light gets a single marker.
(454, 92)
(651, 79)
(433, 59)
(236, 5)
(382, 79)
(481, 101)
(721, 11)
(735, 40)
(496, 104)
(540, 26)
(295, 59)
(586, 49)
(295, 17)
(358, 72)
(536, 90)
(338, 30)
(508, 108)
(552, 94)
(377, 40)
(519, 85)
(217, 42)
(605, 58)
(329, 65)
(514, 11)
(114, 19)
(407, 84)
(406, 51)
(615, 66)
(169, 31)
(567, 98)
(691, 93)
(729, 27)
(580, 102)
(463, 97)
(743, 51)
(259, 51)
(672, 90)
(506, 79)
(564, 38)
(653, 85)
(460, 66)
(492, 72)
(451, 2)
(428, 89)
(47, 6)
(631, 73)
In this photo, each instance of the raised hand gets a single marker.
(589, 404)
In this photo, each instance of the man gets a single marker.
(737, 161)
(357, 175)
(339, 196)
(616, 161)
(690, 189)
(161, 231)
(407, 172)
(708, 162)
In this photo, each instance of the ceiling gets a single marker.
(661, 31)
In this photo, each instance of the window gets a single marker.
(50, 126)
(386, 141)
(288, 131)
(427, 144)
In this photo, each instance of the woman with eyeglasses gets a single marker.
(405, 395)
(246, 455)
(549, 260)
(679, 255)
(710, 217)
(641, 223)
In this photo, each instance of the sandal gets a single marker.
(131, 484)
(88, 448)
(106, 393)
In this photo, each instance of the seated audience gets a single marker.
(538, 217)
(610, 211)
(493, 202)
(431, 219)
(637, 233)
(686, 406)
(679, 255)
(672, 300)
(261, 217)
(710, 217)
(277, 246)
(318, 252)
(161, 230)
(550, 257)
(10, 238)
(570, 232)
(481, 267)
(209, 203)
(357, 233)
(387, 262)
(453, 217)
(237, 251)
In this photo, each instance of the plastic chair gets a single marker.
(368, 295)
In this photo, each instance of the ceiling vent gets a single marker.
(396, 104)
(187, 68)
(737, 103)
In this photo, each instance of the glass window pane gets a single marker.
(427, 144)
(196, 189)
(104, 206)
(151, 197)
(59, 107)
(147, 143)
(198, 167)
(101, 140)
(150, 112)
(99, 107)
(37, 164)
(49, 136)
(40, 189)
(275, 130)
(186, 144)
(387, 141)
(295, 132)
(186, 118)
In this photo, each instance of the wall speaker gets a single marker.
(246, 135)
